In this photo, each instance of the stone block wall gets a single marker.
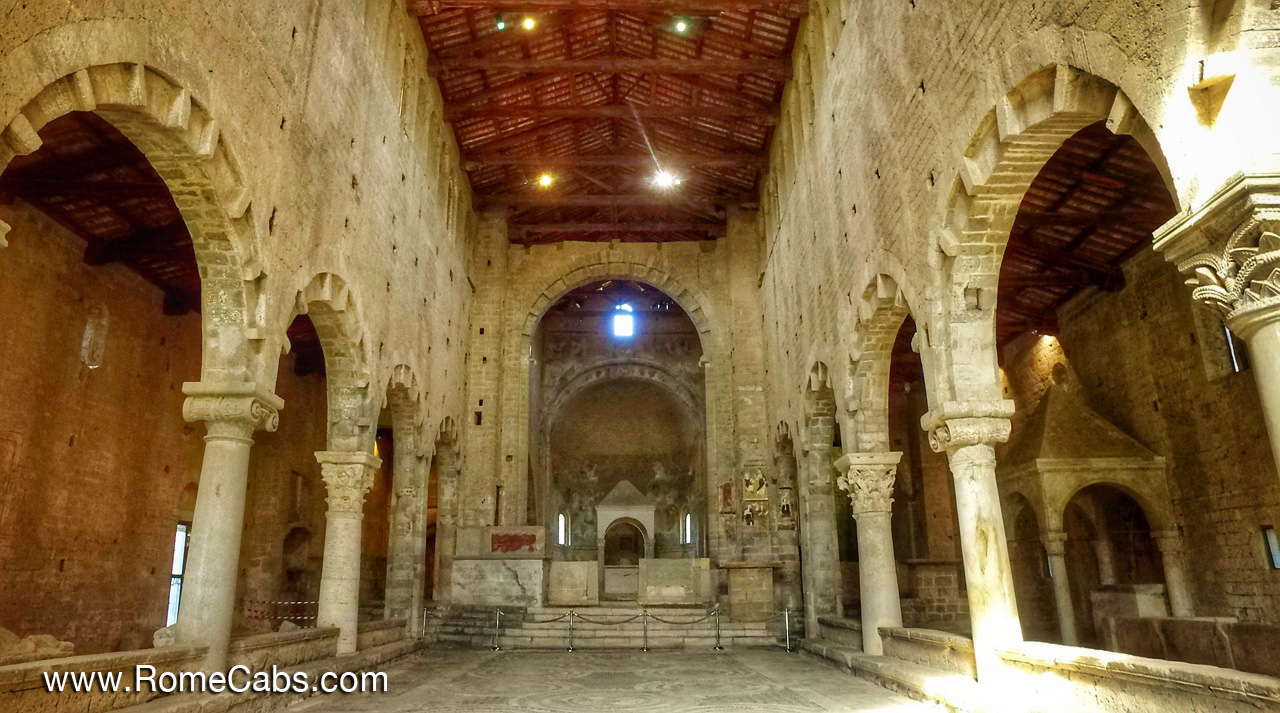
(1147, 367)
(97, 467)
(93, 461)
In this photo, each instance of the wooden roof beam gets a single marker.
(646, 227)
(690, 7)
(1152, 217)
(720, 160)
(768, 117)
(168, 240)
(779, 68)
(612, 201)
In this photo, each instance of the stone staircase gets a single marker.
(604, 627)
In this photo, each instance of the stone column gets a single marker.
(407, 542)
(1106, 560)
(1175, 574)
(231, 413)
(1231, 248)
(820, 553)
(1055, 544)
(967, 432)
(446, 524)
(347, 477)
(868, 479)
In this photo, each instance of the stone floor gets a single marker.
(766, 680)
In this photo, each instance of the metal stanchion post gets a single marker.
(497, 624)
(786, 625)
(572, 615)
(644, 619)
(717, 613)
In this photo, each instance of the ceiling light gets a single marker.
(529, 22)
(665, 179)
(682, 25)
(545, 180)
(500, 23)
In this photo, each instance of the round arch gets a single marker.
(184, 143)
(1005, 154)
(641, 370)
(352, 408)
(691, 301)
(882, 309)
(534, 302)
(1147, 499)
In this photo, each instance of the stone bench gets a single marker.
(1067, 678)
(1222, 642)
(935, 649)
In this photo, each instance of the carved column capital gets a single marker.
(868, 479)
(1055, 543)
(1169, 541)
(347, 477)
(1230, 248)
(233, 409)
(956, 424)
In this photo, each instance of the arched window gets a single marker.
(687, 535)
(624, 322)
(562, 529)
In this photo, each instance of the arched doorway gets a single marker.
(623, 545)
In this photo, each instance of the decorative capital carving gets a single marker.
(1230, 247)
(1169, 541)
(868, 479)
(232, 410)
(956, 424)
(347, 477)
(1055, 543)
(1242, 281)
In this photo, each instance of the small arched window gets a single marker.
(94, 342)
(624, 322)
(687, 538)
(562, 529)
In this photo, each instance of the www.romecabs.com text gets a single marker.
(238, 679)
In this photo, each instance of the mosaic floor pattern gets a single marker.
(770, 681)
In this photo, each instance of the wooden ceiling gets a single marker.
(600, 94)
(96, 183)
(1092, 207)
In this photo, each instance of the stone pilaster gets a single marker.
(407, 542)
(967, 432)
(868, 479)
(347, 477)
(231, 413)
(1230, 248)
(1055, 546)
(446, 528)
(1175, 572)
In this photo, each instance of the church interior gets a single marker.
(703, 355)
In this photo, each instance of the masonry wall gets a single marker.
(335, 128)
(880, 142)
(93, 461)
(1150, 369)
(97, 467)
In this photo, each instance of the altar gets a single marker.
(625, 569)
